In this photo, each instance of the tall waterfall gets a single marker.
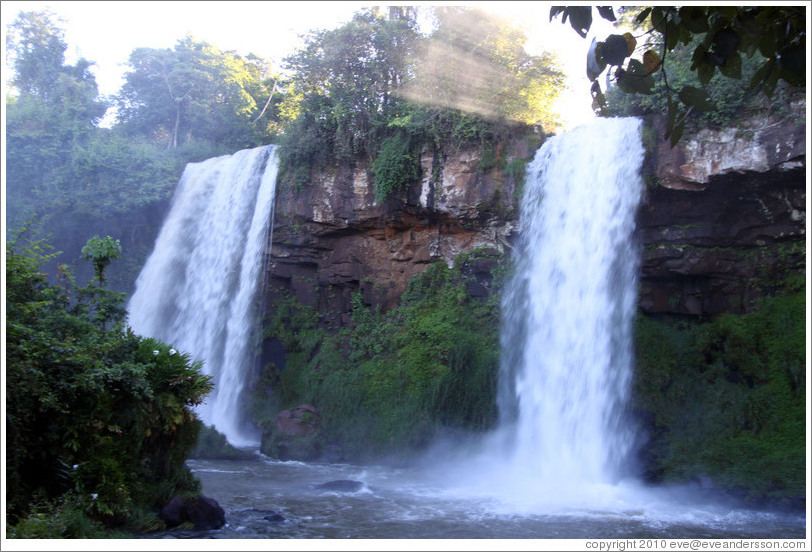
(567, 312)
(197, 290)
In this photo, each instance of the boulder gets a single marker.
(274, 517)
(172, 513)
(341, 485)
(203, 512)
(300, 421)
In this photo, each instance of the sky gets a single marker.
(107, 32)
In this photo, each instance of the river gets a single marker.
(423, 502)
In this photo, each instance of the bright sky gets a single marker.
(107, 32)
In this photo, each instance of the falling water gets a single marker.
(197, 289)
(567, 313)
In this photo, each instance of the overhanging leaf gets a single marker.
(761, 73)
(651, 60)
(607, 13)
(594, 62)
(642, 16)
(694, 19)
(695, 97)
(705, 71)
(615, 49)
(631, 43)
(580, 18)
(792, 62)
(732, 67)
(641, 80)
(770, 82)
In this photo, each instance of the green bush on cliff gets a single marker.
(392, 380)
(395, 168)
(726, 399)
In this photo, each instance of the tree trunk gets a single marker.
(173, 141)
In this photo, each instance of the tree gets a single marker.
(724, 34)
(375, 87)
(346, 80)
(476, 63)
(51, 106)
(101, 251)
(193, 91)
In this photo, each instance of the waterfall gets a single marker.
(568, 310)
(197, 290)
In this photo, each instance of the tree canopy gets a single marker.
(377, 87)
(722, 36)
(194, 91)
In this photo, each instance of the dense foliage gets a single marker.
(98, 420)
(729, 100)
(393, 381)
(196, 92)
(366, 89)
(722, 38)
(726, 399)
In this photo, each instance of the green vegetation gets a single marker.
(101, 251)
(99, 420)
(195, 92)
(374, 88)
(729, 100)
(721, 37)
(725, 399)
(77, 178)
(395, 167)
(392, 380)
(213, 444)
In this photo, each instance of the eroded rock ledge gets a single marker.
(331, 238)
(723, 223)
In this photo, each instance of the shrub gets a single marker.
(99, 419)
(395, 168)
(725, 398)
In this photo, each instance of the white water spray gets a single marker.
(197, 290)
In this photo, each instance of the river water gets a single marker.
(425, 501)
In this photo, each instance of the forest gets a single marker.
(89, 179)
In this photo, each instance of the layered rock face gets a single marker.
(723, 222)
(724, 218)
(332, 239)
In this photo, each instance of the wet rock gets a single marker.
(299, 421)
(202, 512)
(331, 238)
(274, 517)
(205, 513)
(722, 223)
(172, 513)
(341, 485)
(294, 435)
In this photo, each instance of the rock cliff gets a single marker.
(331, 238)
(724, 217)
(722, 223)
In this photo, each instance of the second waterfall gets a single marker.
(567, 315)
(198, 288)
